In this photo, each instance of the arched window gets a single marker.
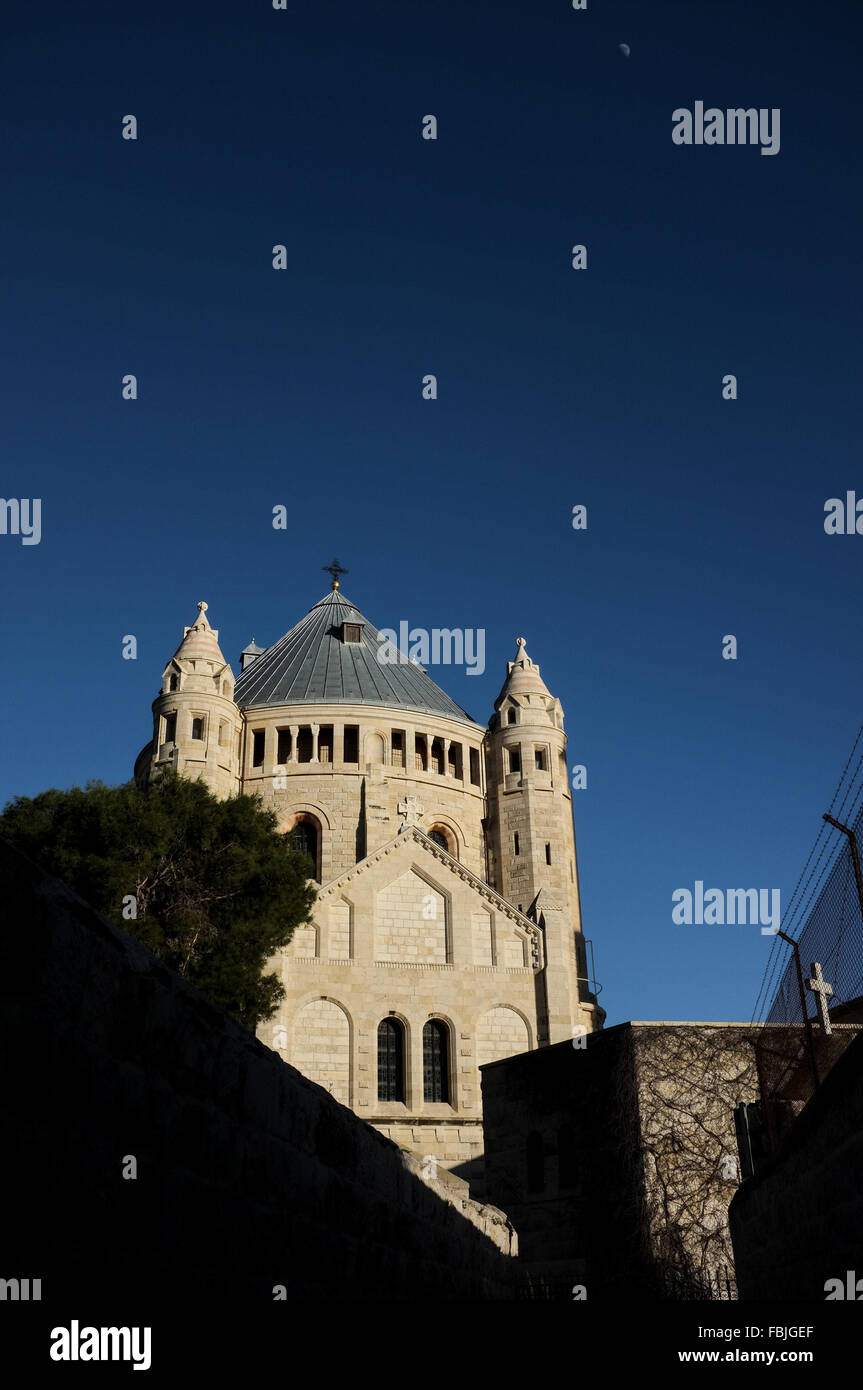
(305, 839)
(567, 1158)
(535, 1163)
(443, 836)
(436, 1062)
(391, 1060)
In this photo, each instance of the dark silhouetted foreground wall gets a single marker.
(248, 1175)
(799, 1221)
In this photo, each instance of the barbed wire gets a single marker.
(823, 914)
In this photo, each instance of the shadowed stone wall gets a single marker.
(799, 1221)
(249, 1176)
(616, 1158)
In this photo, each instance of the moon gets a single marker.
(625, 49)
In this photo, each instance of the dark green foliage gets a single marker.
(216, 888)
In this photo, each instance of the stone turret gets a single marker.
(533, 860)
(196, 724)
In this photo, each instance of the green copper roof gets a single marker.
(312, 665)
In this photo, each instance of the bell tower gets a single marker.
(532, 837)
(196, 724)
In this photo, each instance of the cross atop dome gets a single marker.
(335, 569)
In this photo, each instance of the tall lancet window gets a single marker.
(391, 1060)
(436, 1062)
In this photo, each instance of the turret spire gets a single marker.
(200, 641)
(522, 676)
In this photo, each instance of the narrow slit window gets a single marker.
(437, 756)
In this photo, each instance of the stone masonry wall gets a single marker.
(357, 804)
(249, 1176)
(635, 1155)
(408, 917)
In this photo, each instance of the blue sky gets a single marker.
(556, 387)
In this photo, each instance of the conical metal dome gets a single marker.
(313, 664)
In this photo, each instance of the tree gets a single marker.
(210, 886)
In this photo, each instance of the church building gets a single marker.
(447, 928)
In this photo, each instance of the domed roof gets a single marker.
(314, 664)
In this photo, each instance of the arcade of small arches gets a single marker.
(277, 748)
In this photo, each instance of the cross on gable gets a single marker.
(822, 991)
(411, 809)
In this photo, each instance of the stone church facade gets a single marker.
(447, 928)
